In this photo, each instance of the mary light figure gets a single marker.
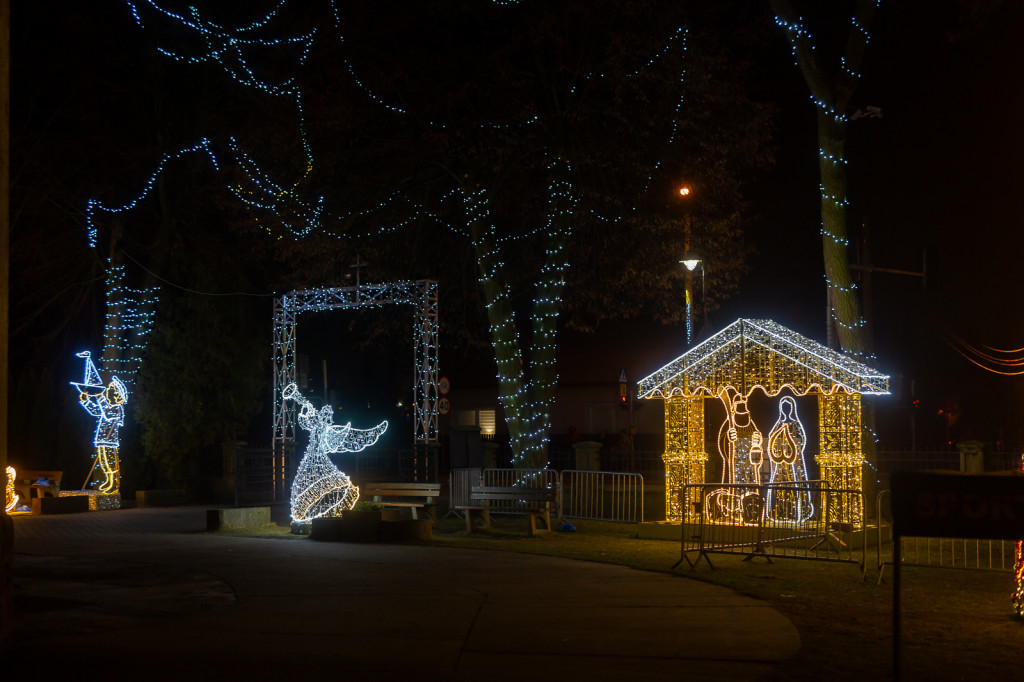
(789, 496)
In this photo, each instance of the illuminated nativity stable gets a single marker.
(761, 355)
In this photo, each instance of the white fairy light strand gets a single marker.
(93, 206)
(226, 46)
(129, 321)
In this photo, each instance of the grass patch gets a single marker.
(957, 624)
(269, 530)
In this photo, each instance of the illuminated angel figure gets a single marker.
(107, 405)
(320, 489)
(739, 443)
(786, 443)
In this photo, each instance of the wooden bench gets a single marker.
(415, 496)
(534, 502)
(26, 484)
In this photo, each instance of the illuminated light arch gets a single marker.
(320, 489)
(760, 354)
(422, 294)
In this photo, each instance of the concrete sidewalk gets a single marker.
(146, 593)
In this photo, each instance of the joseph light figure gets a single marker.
(319, 488)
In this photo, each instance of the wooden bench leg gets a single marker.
(543, 516)
(473, 514)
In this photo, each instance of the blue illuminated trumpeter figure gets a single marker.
(320, 489)
(106, 403)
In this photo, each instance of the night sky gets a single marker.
(936, 178)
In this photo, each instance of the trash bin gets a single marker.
(489, 454)
(972, 456)
(588, 455)
(464, 446)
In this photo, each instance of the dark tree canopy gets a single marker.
(419, 106)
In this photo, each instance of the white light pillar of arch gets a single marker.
(421, 294)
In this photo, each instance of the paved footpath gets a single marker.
(147, 594)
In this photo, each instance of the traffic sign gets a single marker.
(443, 385)
(444, 406)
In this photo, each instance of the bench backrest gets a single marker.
(401, 490)
(481, 493)
(31, 476)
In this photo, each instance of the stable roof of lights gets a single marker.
(751, 354)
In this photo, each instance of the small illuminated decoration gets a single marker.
(106, 403)
(786, 444)
(751, 355)
(11, 498)
(319, 488)
(1017, 598)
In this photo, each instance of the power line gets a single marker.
(187, 289)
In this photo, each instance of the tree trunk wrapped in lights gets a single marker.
(526, 391)
(831, 95)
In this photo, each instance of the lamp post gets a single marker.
(692, 261)
(689, 261)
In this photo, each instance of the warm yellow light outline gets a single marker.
(11, 496)
(840, 456)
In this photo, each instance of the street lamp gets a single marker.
(692, 261)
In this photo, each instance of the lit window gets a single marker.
(486, 420)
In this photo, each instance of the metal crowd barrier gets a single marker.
(961, 553)
(260, 478)
(601, 496)
(459, 483)
(596, 495)
(781, 520)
